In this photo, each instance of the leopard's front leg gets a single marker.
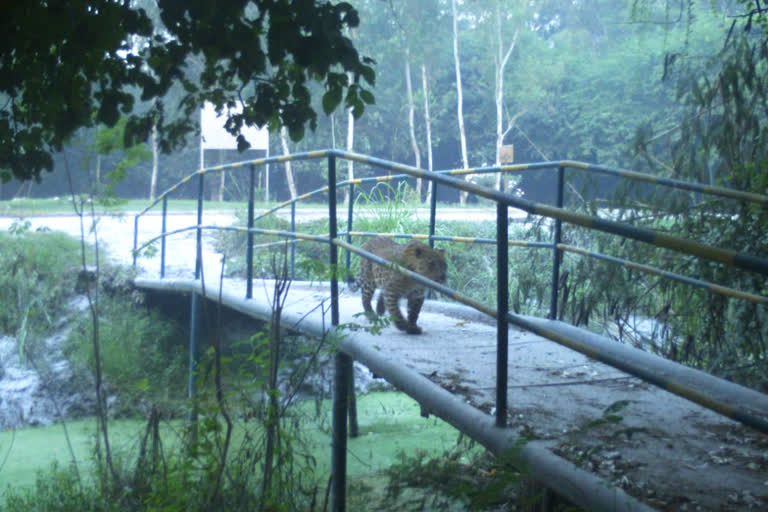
(415, 301)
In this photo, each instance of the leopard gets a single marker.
(414, 256)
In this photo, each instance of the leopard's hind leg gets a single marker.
(390, 302)
(367, 286)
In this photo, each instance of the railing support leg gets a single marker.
(162, 240)
(341, 385)
(194, 336)
(557, 253)
(293, 242)
(249, 242)
(502, 308)
(343, 365)
(354, 428)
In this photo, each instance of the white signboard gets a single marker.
(214, 136)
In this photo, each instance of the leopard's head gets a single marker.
(426, 261)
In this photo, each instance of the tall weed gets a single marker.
(141, 356)
(38, 272)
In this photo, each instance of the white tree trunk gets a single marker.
(428, 126)
(288, 169)
(460, 101)
(350, 147)
(153, 179)
(501, 58)
(411, 125)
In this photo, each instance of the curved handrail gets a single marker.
(503, 202)
(731, 400)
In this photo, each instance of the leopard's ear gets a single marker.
(417, 251)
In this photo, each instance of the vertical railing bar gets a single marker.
(332, 233)
(194, 335)
(502, 307)
(432, 224)
(293, 245)
(557, 253)
(163, 239)
(135, 238)
(343, 365)
(249, 242)
(199, 232)
(350, 213)
(432, 213)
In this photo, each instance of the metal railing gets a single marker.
(687, 388)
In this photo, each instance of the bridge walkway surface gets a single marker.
(668, 453)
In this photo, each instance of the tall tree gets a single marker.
(411, 121)
(427, 126)
(501, 57)
(63, 61)
(459, 97)
(289, 178)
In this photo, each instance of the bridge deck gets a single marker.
(660, 448)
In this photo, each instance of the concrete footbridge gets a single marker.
(538, 391)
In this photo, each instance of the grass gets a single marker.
(22, 207)
(389, 424)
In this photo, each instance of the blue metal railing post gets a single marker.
(135, 238)
(432, 223)
(502, 308)
(432, 213)
(350, 212)
(332, 233)
(194, 336)
(162, 240)
(199, 243)
(343, 365)
(557, 253)
(249, 242)
(293, 243)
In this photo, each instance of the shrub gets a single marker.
(141, 361)
(37, 276)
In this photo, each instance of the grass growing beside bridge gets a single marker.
(390, 427)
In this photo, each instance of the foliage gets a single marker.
(266, 247)
(482, 482)
(109, 140)
(720, 140)
(58, 490)
(140, 355)
(387, 208)
(75, 64)
(37, 276)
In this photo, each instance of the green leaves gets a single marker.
(65, 71)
